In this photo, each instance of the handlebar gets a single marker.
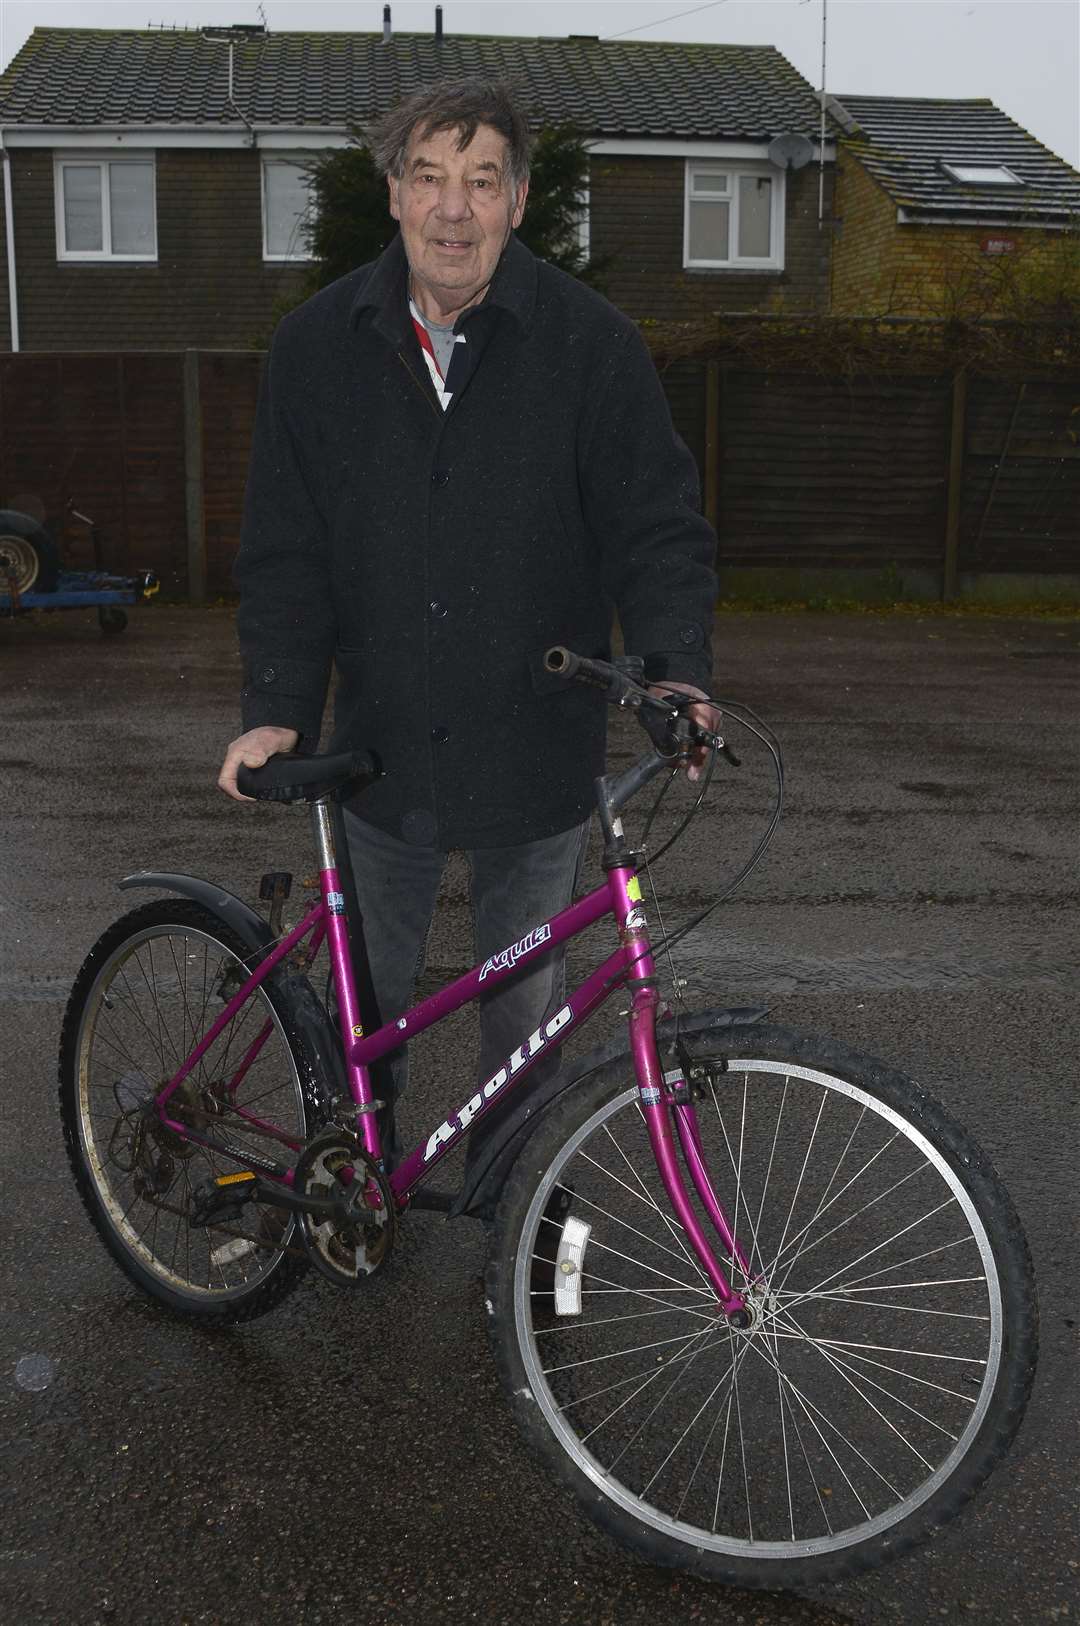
(665, 721)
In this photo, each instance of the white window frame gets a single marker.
(772, 262)
(299, 256)
(1004, 176)
(97, 256)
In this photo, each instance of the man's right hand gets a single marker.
(251, 750)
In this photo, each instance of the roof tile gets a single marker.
(905, 141)
(608, 88)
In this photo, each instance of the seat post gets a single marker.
(323, 831)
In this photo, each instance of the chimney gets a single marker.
(386, 25)
(438, 25)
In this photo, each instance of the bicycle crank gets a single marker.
(355, 1240)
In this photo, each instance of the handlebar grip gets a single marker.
(598, 674)
(562, 661)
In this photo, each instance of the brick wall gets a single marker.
(636, 216)
(881, 267)
(209, 288)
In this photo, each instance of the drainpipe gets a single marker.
(241, 115)
(9, 230)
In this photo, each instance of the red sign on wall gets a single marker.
(998, 245)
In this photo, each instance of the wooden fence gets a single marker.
(954, 476)
(946, 478)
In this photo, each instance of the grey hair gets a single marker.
(453, 104)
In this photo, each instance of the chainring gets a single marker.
(347, 1253)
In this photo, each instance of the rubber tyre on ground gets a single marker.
(111, 619)
(895, 1325)
(29, 551)
(150, 987)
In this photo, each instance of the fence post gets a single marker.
(712, 443)
(950, 573)
(193, 480)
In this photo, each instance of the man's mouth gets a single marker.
(452, 245)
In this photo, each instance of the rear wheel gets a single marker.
(893, 1327)
(148, 991)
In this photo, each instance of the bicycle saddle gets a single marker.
(298, 777)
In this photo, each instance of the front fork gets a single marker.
(661, 1110)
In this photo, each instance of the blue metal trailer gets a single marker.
(84, 590)
(31, 577)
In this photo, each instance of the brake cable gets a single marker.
(748, 719)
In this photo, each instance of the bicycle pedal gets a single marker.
(219, 1201)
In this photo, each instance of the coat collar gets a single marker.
(513, 289)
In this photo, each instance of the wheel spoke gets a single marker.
(841, 1363)
(825, 1351)
(625, 1225)
(672, 1225)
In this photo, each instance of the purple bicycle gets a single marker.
(755, 1299)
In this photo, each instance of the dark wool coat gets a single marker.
(433, 557)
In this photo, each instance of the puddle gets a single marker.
(34, 1373)
(754, 966)
(45, 992)
(931, 787)
(1043, 654)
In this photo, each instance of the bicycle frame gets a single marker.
(665, 1100)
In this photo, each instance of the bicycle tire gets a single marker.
(129, 1023)
(819, 1442)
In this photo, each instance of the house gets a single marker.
(936, 201)
(154, 189)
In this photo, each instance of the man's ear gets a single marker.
(393, 183)
(519, 206)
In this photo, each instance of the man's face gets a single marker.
(457, 210)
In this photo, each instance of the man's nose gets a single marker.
(454, 201)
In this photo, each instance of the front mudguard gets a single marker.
(483, 1183)
(322, 1071)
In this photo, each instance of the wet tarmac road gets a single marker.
(350, 1457)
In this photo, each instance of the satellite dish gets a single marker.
(790, 151)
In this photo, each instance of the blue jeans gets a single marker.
(512, 889)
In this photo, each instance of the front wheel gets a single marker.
(893, 1328)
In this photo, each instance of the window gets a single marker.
(734, 216)
(982, 174)
(287, 209)
(105, 208)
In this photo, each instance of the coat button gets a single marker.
(689, 635)
(436, 608)
(440, 735)
(268, 675)
(440, 477)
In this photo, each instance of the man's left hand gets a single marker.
(705, 716)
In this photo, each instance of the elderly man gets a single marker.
(461, 457)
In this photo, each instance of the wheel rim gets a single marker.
(822, 1427)
(153, 997)
(19, 558)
